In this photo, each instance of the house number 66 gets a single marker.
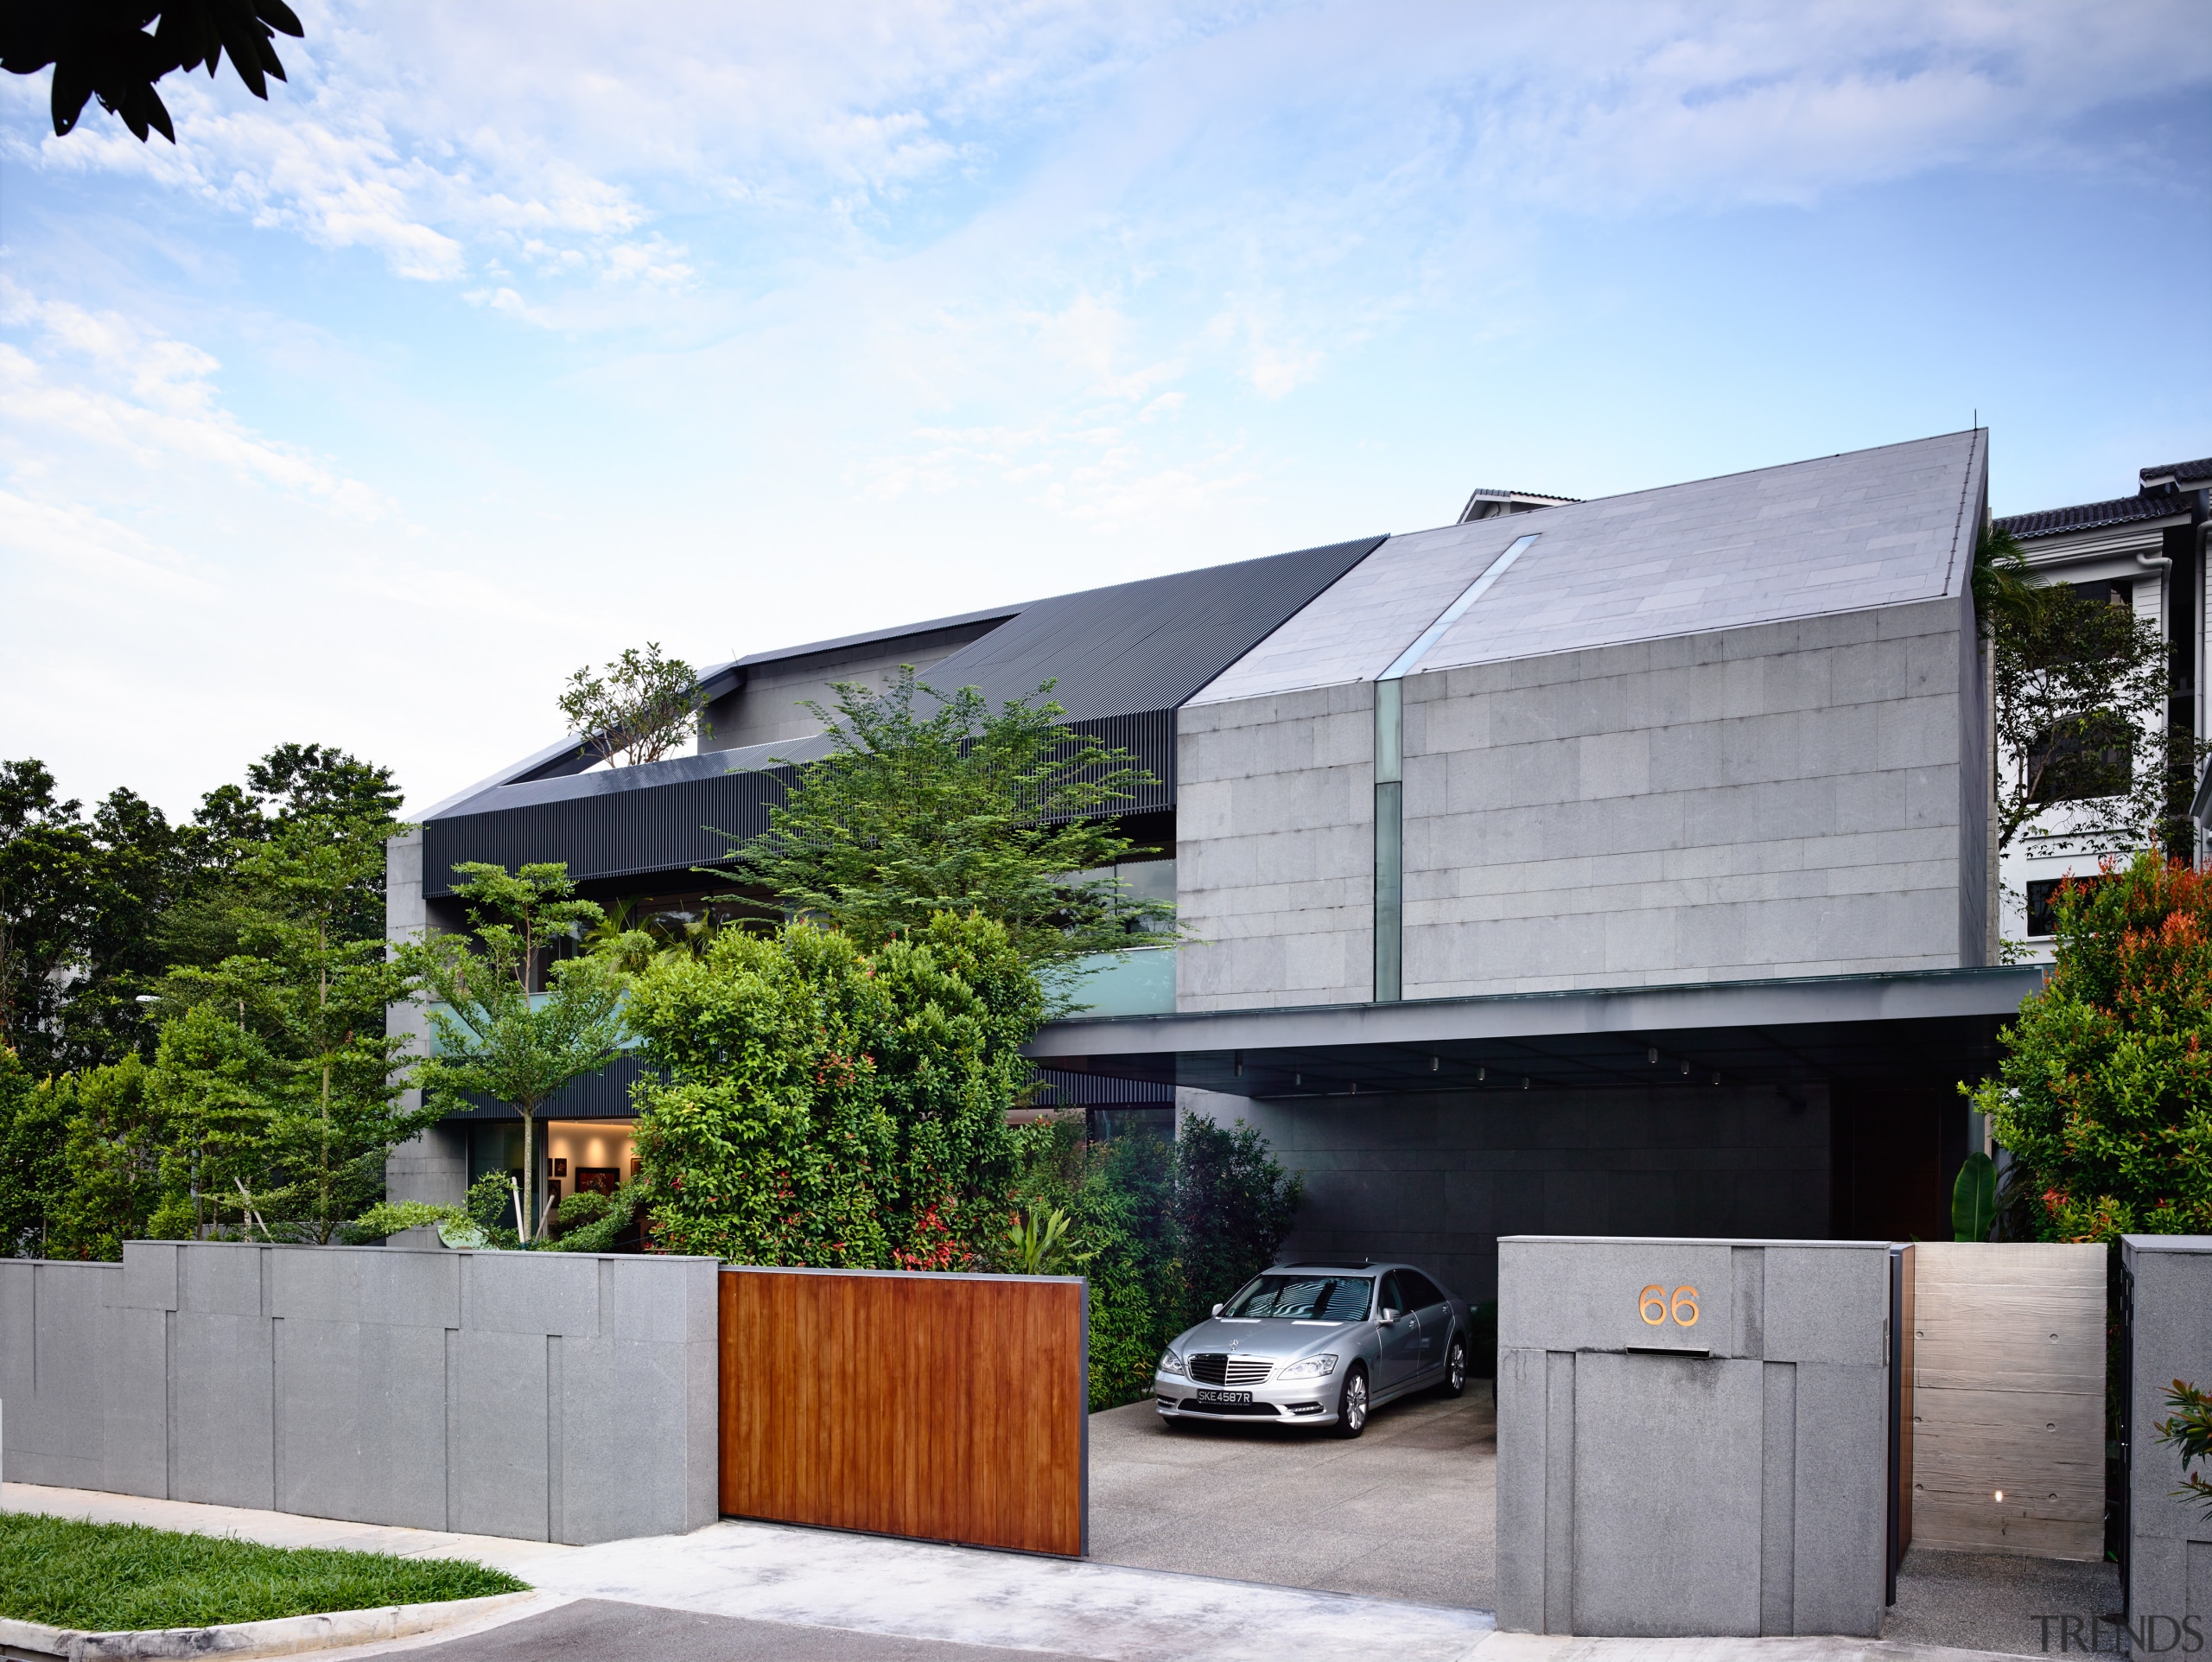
(1653, 1297)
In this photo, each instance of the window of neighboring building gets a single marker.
(2042, 904)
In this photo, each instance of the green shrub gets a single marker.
(1171, 1230)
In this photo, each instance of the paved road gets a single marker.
(1409, 1511)
(599, 1630)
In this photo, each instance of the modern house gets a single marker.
(1614, 867)
(2146, 552)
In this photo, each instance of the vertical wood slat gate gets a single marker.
(939, 1407)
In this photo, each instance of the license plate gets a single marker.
(1224, 1396)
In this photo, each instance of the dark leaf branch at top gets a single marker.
(103, 50)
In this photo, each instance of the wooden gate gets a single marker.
(941, 1407)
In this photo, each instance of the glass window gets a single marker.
(1394, 1297)
(1304, 1298)
(1421, 1292)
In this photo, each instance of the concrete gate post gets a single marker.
(1692, 1436)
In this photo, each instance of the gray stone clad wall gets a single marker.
(2169, 1540)
(544, 1397)
(432, 1165)
(1778, 801)
(1726, 1476)
(1789, 799)
(1437, 1177)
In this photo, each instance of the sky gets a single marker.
(505, 336)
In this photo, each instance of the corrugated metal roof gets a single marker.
(1147, 645)
(2092, 516)
(1841, 533)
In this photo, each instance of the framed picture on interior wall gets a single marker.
(597, 1179)
(636, 1168)
(560, 1167)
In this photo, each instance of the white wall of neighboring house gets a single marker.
(2043, 852)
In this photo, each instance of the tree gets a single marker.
(2082, 690)
(960, 809)
(811, 1103)
(2105, 1094)
(1234, 1203)
(113, 1156)
(33, 1177)
(492, 1038)
(643, 706)
(279, 1071)
(101, 48)
(80, 906)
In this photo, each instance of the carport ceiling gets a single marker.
(1930, 1027)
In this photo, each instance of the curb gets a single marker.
(284, 1636)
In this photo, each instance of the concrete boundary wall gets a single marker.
(2169, 1539)
(539, 1395)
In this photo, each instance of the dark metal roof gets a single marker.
(870, 637)
(2092, 516)
(2186, 474)
(1147, 645)
(670, 816)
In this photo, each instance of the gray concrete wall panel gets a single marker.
(2169, 1540)
(1644, 1494)
(497, 1432)
(1661, 1505)
(472, 1391)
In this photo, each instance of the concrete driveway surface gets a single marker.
(1409, 1511)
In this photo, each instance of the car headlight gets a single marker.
(1170, 1362)
(1313, 1368)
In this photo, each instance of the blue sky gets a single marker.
(505, 336)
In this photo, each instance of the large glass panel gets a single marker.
(1390, 891)
(1141, 983)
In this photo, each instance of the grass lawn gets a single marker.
(109, 1577)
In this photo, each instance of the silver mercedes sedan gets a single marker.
(1317, 1344)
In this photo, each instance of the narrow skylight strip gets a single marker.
(1405, 662)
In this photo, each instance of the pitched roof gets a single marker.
(1147, 645)
(1117, 651)
(2091, 516)
(2187, 476)
(1841, 533)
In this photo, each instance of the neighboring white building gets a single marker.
(2145, 551)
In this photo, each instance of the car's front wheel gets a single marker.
(1455, 1368)
(1352, 1404)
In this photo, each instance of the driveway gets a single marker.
(1409, 1511)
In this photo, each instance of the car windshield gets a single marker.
(1304, 1298)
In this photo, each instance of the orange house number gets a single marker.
(1653, 1297)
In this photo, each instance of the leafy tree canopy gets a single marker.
(115, 50)
(932, 802)
(640, 707)
(2105, 1094)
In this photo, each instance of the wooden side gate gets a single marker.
(940, 1407)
